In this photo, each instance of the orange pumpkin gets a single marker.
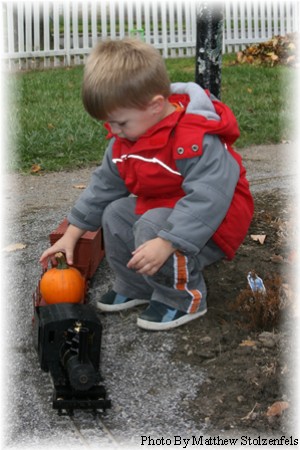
(62, 284)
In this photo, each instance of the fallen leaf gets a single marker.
(249, 90)
(291, 59)
(277, 408)
(79, 186)
(278, 50)
(247, 343)
(292, 257)
(259, 238)
(35, 168)
(239, 56)
(272, 56)
(14, 247)
(276, 259)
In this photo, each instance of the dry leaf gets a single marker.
(292, 257)
(249, 90)
(278, 50)
(291, 59)
(272, 56)
(276, 259)
(259, 238)
(35, 168)
(79, 186)
(50, 126)
(14, 247)
(277, 408)
(247, 343)
(239, 56)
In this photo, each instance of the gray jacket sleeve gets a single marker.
(105, 186)
(209, 184)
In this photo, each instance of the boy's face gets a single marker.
(130, 123)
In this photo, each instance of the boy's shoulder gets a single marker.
(192, 128)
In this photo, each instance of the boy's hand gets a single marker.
(59, 246)
(65, 244)
(149, 257)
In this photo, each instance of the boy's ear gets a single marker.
(157, 104)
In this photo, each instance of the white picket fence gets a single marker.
(46, 33)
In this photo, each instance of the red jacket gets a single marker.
(148, 166)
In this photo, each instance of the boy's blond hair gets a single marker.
(125, 73)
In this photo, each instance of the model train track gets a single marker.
(78, 425)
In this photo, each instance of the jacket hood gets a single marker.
(198, 101)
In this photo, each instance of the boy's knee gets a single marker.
(107, 215)
(120, 209)
(150, 224)
(143, 225)
(143, 231)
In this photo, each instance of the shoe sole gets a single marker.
(121, 306)
(162, 326)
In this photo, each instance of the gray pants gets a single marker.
(179, 283)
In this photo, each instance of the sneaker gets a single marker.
(111, 301)
(159, 317)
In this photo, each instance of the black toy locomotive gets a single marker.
(67, 337)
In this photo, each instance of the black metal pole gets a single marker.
(209, 46)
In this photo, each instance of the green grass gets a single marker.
(51, 128)
(55, 131)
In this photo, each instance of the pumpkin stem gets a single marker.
(61, 261)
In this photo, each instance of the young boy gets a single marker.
(169, 146)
